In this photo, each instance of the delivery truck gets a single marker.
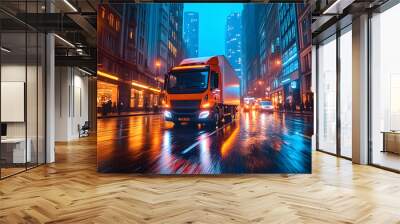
(201, 90)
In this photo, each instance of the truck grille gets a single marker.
(185, 107)
(185, 104)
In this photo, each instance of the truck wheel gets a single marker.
(229, 118)
(214, 122)
(220, 120)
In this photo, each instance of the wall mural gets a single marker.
(195, 88)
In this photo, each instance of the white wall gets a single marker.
(71, 102)
(33, 127)
(13, 73)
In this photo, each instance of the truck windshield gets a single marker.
(193, 81)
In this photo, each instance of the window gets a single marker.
(194, 81)
(102, 12)
(140, 99)
(22, 99)
(111, 20)
(346, 94)
(131, 35)
(327, 96)
(117, 24)
(163, 51)
(385, 88)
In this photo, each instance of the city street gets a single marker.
(254, 143)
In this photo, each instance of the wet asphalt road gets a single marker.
(254, 143)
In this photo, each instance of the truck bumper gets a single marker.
(201, 116)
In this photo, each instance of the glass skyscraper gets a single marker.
(233, 42)
(191, 33)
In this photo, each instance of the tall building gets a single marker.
(250, 49)
(289, 79)
(120, 53)
(259, 85)
(262, 28)
(305, 39)
(273, 63)
(233, 42)
(165, 44)
(191, 33)
(158, 39)
(262, 55)
(261, 52)
(138, 43)
(175, 34)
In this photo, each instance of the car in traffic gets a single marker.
(247, 107)
(266, 106)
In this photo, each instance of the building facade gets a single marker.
(158, 41)
(261, 56)
(305, 41)
(290, 77)
(233, 42)
(250, 50)
(273, 90)
(260, 84)
(191, 33)
(137, 44)
(175, 33)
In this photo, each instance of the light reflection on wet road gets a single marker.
(255, 143)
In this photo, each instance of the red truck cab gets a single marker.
(201, 90)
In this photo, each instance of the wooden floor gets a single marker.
(71, 191)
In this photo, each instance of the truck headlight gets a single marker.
(204, 114)
(167, 114)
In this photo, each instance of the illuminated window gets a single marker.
(131, 34)
(111, 19)
(117, 24)
(140, 99)
(102, 12)
(132, 100)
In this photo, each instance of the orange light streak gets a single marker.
(189, 67)
(146, 87)
(104, 74)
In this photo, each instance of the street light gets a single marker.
(158, 64)
(278, 62)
